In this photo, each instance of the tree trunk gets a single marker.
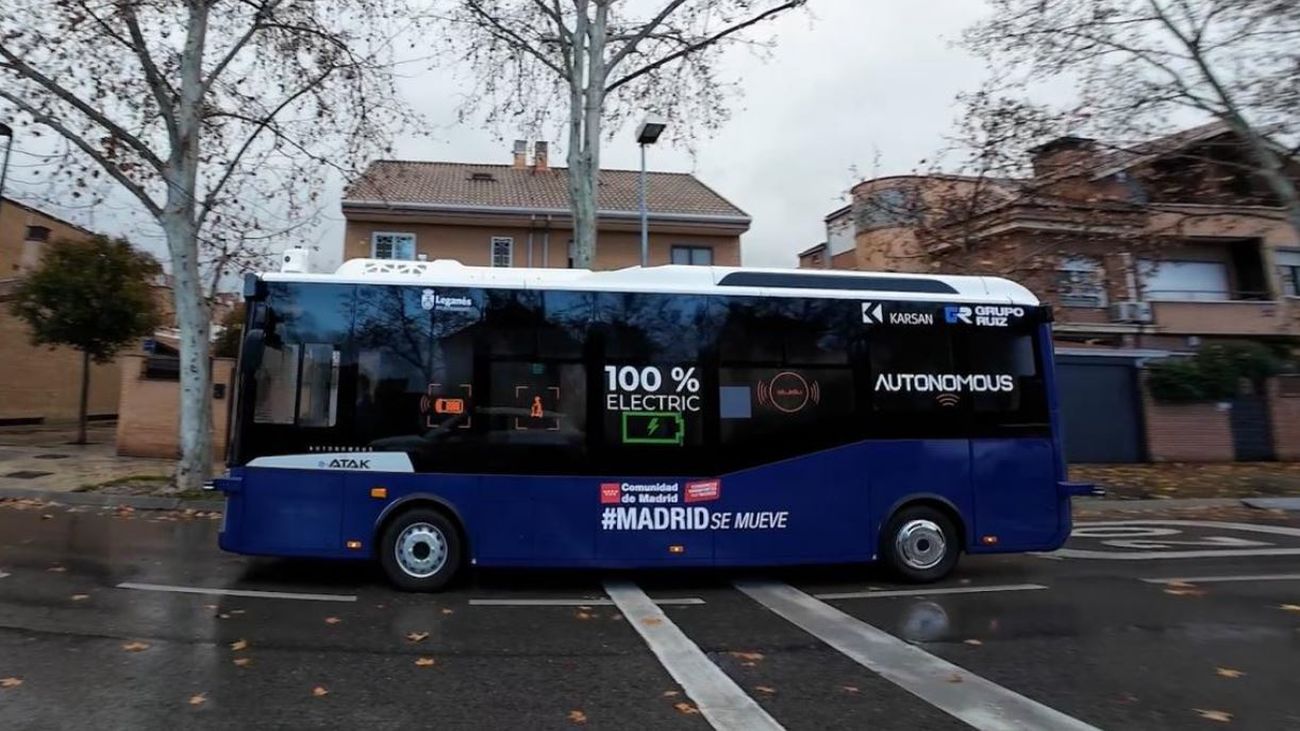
(194, 323)
(85, 397)
(581, 204)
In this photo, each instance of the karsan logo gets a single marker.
(982, 315)
(431, 300)
(873, 313)
(347, 463)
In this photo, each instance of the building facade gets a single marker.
(41, 384)
(518, 215)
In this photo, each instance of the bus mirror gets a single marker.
(250, 356)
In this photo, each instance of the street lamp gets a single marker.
(6, 132)
(647, 133)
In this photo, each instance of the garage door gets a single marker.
(1100, 408)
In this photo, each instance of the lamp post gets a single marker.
(6, 132)
(647, 133)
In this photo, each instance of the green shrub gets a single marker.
(1215, 373)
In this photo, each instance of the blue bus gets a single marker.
(434, 416)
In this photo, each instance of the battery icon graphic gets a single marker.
(653, 427)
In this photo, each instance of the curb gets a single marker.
(137, 502)
(1104, 505)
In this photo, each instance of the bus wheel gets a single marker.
(920, 544)
(420, 550)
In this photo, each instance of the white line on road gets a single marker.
(723, 703)
(930, 592)
(975, 700)
(4, 575)
(1144, 555)
(238, 592)
(1219, 579)
(683, 601)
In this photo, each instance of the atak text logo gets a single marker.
(981, 315)
(347, 463)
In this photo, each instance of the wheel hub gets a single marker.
(920, 544)
(421, 550)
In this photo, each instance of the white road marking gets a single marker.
(1220, 579)
(1089, 530)
(930, 592)
(4, 575)
(238, 592)
(723, 703)
(975, 700)
(683, 601)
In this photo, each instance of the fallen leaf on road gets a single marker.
(238, 645)
(198, 699)
(849, 688)
(223, 615)
(424, 662)
(954, 678)
(447, 611)
(319, 691)
(210, 606)
(47, 516)
(80, 597)
(686, 708)
(652, 621)
(765, 689)
(135, 646)
(1179, 584)
(975, 643)
(1291, 607)
(417, 636)
(332, 620)
(1186, 592)
(10, 682)
(584, 609)
(671, 693)
(616, 617)
(57, 569)
(1211, 715)
(238, 611)
(747, 656)
(243, 662)
(577, 717)
(1228, 672)
(582, 615)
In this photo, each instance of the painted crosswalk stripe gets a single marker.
(237, 592)
(930, 592)
(975, 700)
(677, 601)
(1220, 579)
(722, 703)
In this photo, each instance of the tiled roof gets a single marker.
(395, 182)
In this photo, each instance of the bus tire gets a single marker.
(420, 550)
(920, 544)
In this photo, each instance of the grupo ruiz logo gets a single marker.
(430, 300)
(982, 315)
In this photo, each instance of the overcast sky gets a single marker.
(852, 84)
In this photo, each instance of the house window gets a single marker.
(389, 245)
(1081, 282)
(1185, 280)
(886, 208)
(38, 233)
(1288, 265)
(696, 255)
(503, 251)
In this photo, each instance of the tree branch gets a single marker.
(501, 32)
(682, 52)
(641, 33)
(162, 92)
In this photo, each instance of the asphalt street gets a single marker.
(121, 619)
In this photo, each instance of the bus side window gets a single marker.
(318, 393)
(298, 384)
(277, 385)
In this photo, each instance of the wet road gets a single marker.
(1152, 622)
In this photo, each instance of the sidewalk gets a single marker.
(1182, 480)
(45, 461)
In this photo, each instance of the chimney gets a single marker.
(1062, 153)
(521, 154)
(540, 158)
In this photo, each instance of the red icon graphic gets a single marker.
(789, 392)
(433, 403)
(536, 411)
(610, 493)
(449, 406)
(703, 491)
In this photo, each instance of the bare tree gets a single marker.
(1139, 63)
(603, 61)
(201, 110)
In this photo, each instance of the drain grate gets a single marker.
(52, 456)
(27, 474)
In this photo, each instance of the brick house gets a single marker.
(518, 215)
(41, 384)
(1145, 251)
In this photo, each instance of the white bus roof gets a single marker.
(679, 279)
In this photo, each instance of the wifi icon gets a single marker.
(948, 400)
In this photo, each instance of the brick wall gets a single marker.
(45, 383)
(148, 423)
(1285, 412)
(1186, 432)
